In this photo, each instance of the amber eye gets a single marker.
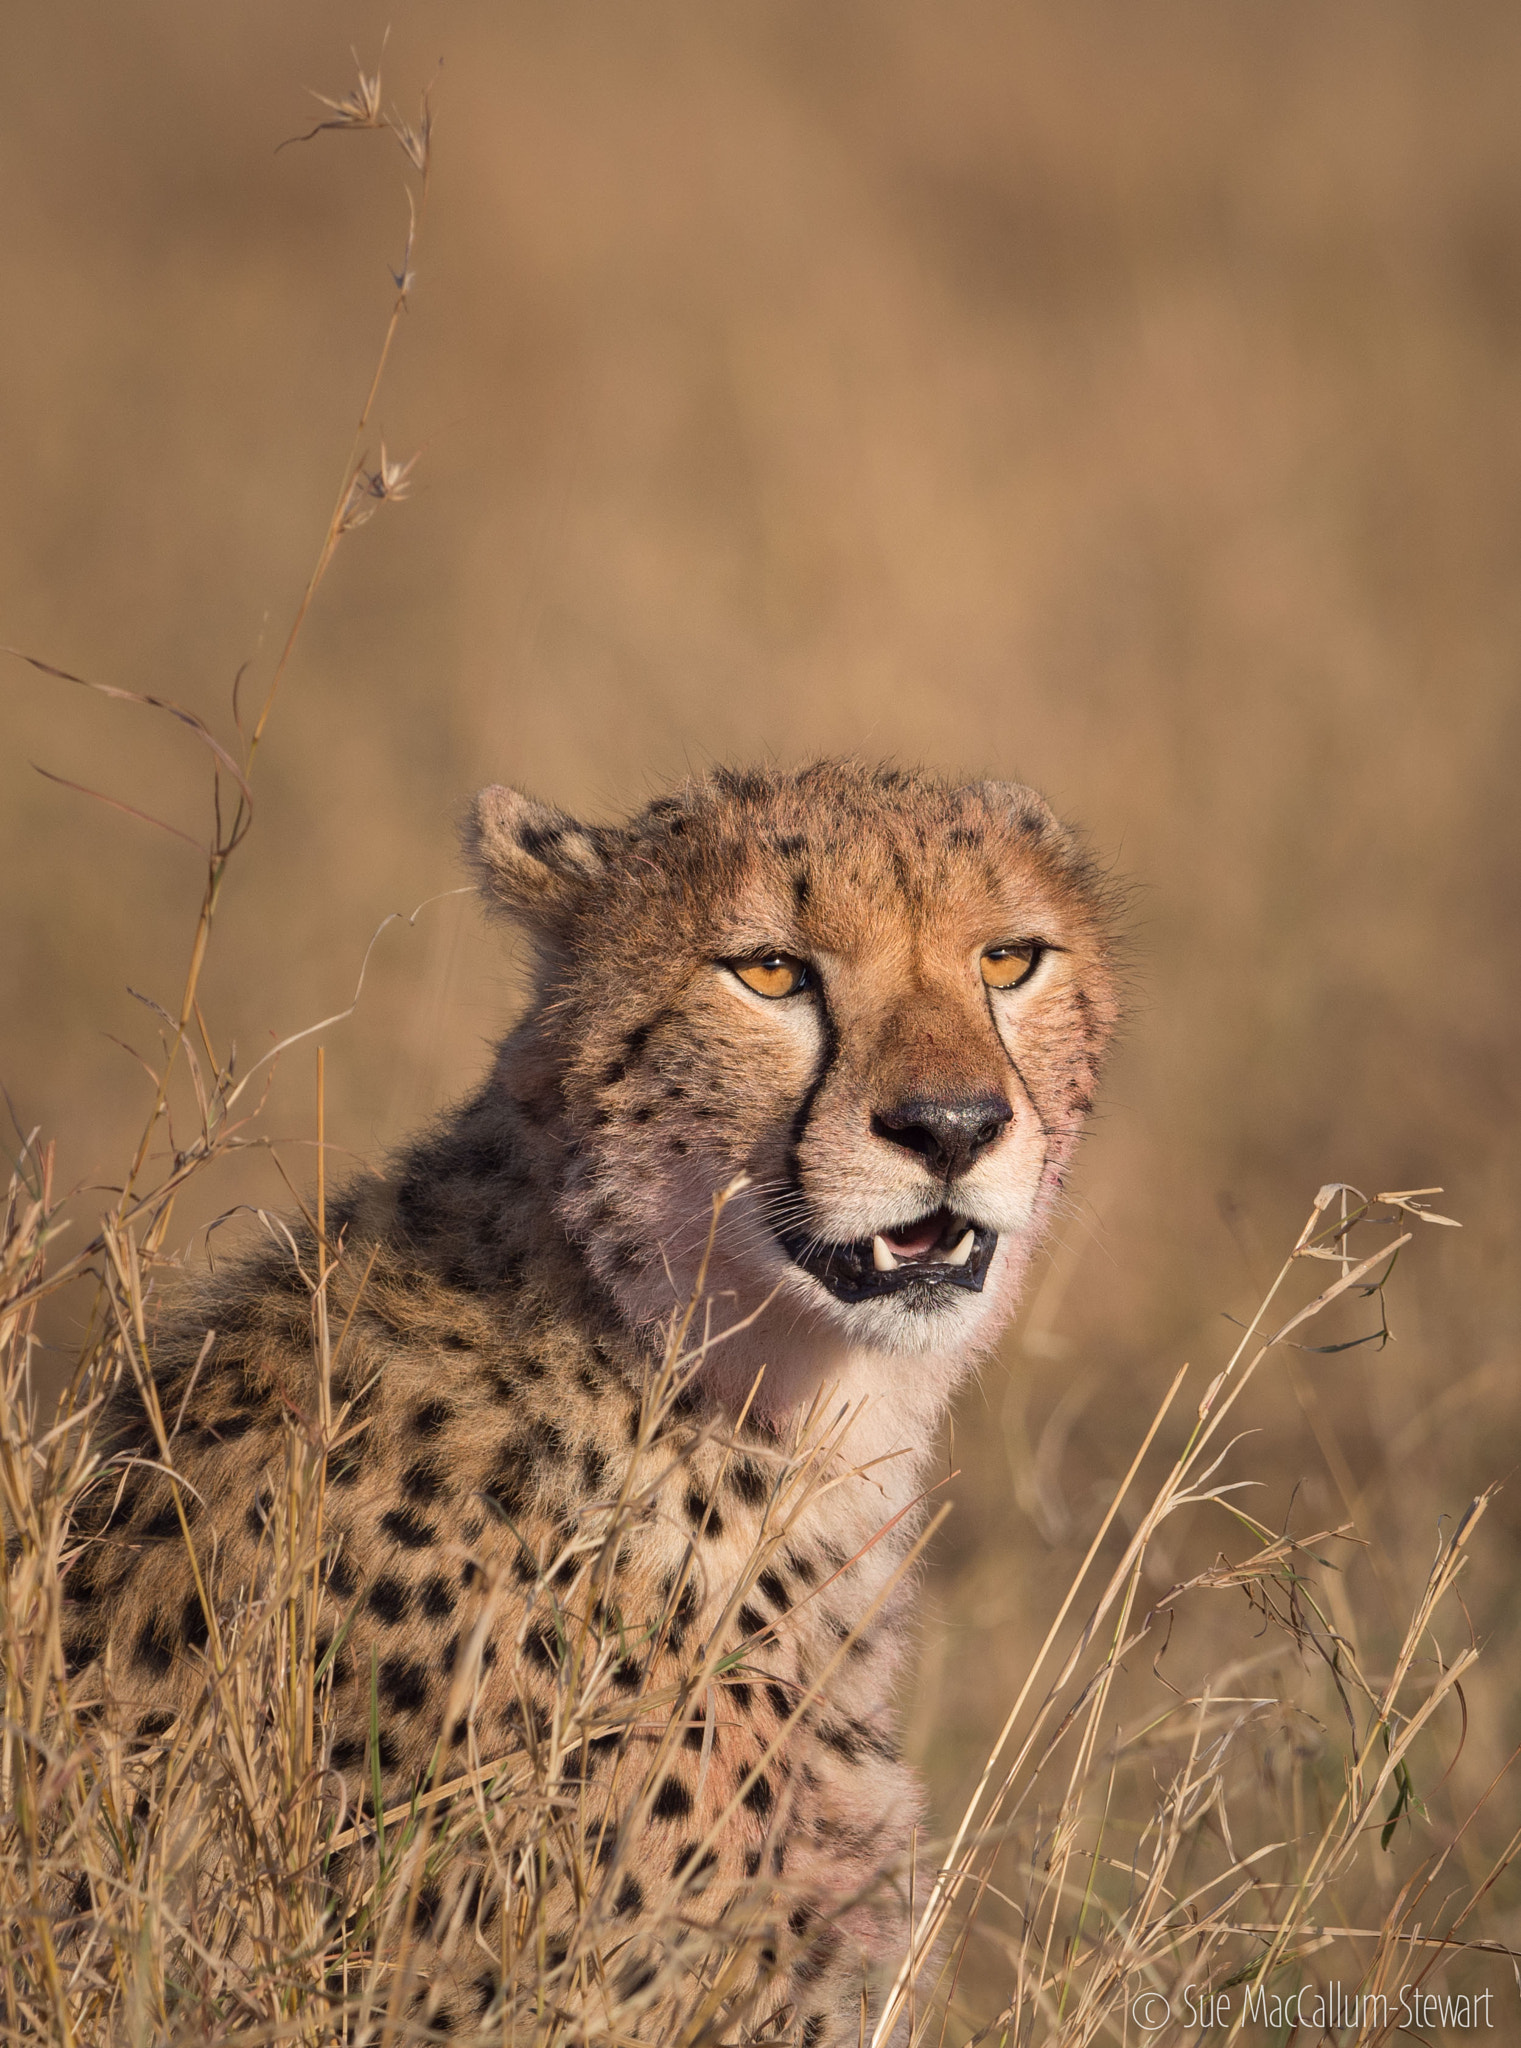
(773, 974)
(1007, 966)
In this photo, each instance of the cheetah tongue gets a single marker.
(938, 1240)
(915, 1239)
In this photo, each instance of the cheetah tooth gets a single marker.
(963, 1251)
(882, 1256)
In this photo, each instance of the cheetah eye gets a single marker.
(772, 974)
(1008, 966)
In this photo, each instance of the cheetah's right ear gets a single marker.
(531, 861)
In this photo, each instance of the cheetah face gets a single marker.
(879, 999)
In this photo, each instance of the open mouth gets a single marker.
(940, 1250)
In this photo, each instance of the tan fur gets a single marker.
(523, 1262)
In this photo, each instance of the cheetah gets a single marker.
(644, 1350)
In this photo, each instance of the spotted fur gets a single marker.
(505, 1293)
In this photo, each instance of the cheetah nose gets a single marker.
(948, 1136)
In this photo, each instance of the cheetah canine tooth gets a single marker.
(962, 1252)
(882, 1256)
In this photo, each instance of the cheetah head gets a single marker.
(878, 997)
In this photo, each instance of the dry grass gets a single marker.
(1273, 626)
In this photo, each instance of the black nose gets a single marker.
(948, 1136)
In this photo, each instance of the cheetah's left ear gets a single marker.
(1015, 803)
(532, 861)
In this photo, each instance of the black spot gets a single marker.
(689, 1866)
(256, 1521)
(81, 1898)
(194, 1628)
(165, 1520)
(347, 1752)
(802, 1568)
(813, 2029)
(630, 1897)
(779, 1859)
(230, 1427)
(816, 1963)
(698, 1509)
(593, 1467)
(430, 1417)
(693, 1733)
(635, 1979)
(389, 1600)
(154, 1648)
(758, 1797)
(799, 1920)
(643, 1113)
(406, 1527)
(487, 1985)
(567, 1571)
(843, 1741)
(672, 1800)
(525, 1568)
(752, 1862)
(404, 1683)
(774, 1591)
(340, 1575)
(751, 1623)
(82, 1646)
(154, 1724)
(468, 1571)
(438, 1598)
(510, 1479)
(541, 1646)
(748, 1481)
(780, 1704)
(422, 1482)
(345, 1464)
(426, 1910)
(739, 1692)
(454, 1341)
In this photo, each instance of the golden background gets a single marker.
(1120, 397)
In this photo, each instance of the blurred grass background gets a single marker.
(1122, 398)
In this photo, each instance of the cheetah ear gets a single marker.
(1016, 804)
(530, 860)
